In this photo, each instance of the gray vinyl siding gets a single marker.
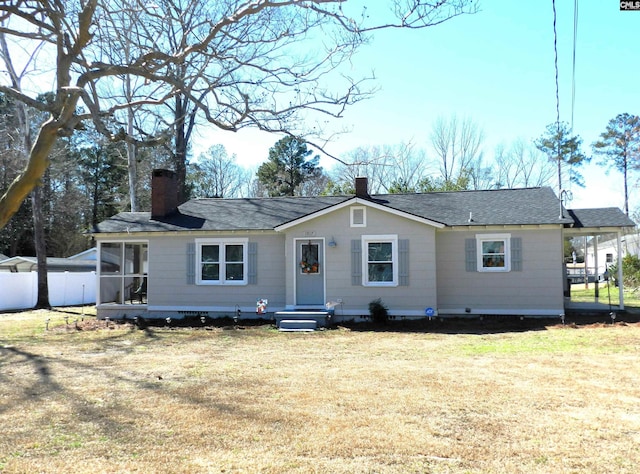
(170, 286)
(534, 284)
(419, 277)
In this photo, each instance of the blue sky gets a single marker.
(497, 68)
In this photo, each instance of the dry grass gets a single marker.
(558, 399)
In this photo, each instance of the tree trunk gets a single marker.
(26, 181)
(132, 168)
(180, 153)
(41, 249)
(626, 190)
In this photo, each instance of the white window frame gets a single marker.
(386, 238)
(222, 243)
(506, 238)
(123, 274)
(353, 210)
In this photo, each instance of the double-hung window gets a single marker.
(381, 260)
(493, 252)
(221, 261)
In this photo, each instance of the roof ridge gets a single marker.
(530, 188)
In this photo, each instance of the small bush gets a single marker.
(378, 311)
(630, 272)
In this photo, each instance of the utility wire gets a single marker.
(573, 73)
(555, 50)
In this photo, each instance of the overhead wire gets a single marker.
(555, 50)
(573, 67)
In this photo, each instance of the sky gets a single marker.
(495, 67)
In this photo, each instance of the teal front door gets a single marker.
(309, 272)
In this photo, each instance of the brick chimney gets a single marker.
(164, 193)
(362, 187)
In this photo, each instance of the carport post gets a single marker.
(620, 284)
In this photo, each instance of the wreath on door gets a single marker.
(309, 262)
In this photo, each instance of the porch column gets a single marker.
(620, 284)
(595, 262)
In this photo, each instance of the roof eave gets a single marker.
(356, 201)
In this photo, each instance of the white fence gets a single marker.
(20, 290)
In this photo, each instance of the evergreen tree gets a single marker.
(288, 167)
(619, 145)
(563, 148)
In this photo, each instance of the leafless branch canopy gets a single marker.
(270, 64)
(263, 63)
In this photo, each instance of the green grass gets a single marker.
(581, 294)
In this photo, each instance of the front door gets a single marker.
(309, 272)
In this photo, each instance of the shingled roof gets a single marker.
(528, 206)
(601, 217)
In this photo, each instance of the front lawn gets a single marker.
(437, 398)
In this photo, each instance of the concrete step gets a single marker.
(321, 317)
(298, 325)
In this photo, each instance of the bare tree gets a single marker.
(371, 162)
(215, 174)
(389, 168)
(262, 66)
(522, 165)
(456, 144)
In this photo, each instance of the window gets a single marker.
(609, 258)
(123, 272)
(358, 216)
(381, 260)
(493, 251)
(221, 261)
(310, 262)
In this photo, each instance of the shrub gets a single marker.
(378, 311)
(630, 271)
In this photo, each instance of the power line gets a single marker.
(573, 72)
(555, 50)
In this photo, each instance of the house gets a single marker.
(71, 281)
(54, 264)
(470, 253)
(602, 252)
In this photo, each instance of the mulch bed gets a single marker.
(486, 324)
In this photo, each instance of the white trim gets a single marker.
(122, 275)
(356, 201)
(222, 242)
(186, 309)
(393, 239)
(352, 212)
(502, 312)
(480, 238)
